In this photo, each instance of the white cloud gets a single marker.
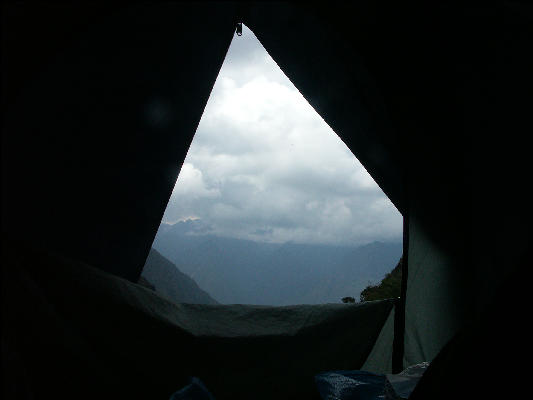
(191, 184)
(264, 165)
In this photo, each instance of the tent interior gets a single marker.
(100, 103)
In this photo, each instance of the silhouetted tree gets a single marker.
(348, 300)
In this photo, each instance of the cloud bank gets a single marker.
(263, 164)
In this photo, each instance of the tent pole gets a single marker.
(399, 314)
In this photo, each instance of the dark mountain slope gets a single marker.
(171, 282)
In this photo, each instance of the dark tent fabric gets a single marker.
(93, 326)
(488, 357)
(100, 104)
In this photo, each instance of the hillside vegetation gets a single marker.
(389, 287)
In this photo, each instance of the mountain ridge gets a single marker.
(249, 272)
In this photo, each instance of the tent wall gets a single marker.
(100, 105)
(468, 211)
(434, 307)
(380, 358)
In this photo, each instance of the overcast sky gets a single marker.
(263, 164)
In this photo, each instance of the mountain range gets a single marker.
(238, 271)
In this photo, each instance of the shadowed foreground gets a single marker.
(118, 332)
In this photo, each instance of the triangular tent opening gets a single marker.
(270, 206)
